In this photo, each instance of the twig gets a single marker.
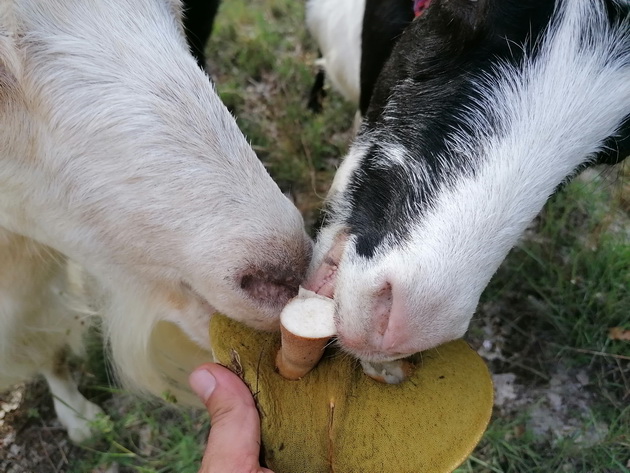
(63, 456)
(311, 167)
(592, 352)
(484, 464)
(625, 380)
(41, 440)
(542, 375)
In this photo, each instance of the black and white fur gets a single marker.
(482, 109)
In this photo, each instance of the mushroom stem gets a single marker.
(306, 326)
(297, 355)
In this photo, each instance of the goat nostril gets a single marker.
(383, 307)
(269, 289)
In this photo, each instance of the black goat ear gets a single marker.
(469, 12)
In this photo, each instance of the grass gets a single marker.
(545, 315)
(560, 292)
(145, 437)
(261, 58)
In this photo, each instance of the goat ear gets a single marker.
(469, 12)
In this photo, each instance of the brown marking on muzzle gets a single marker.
(280, 270)
(270, 285)
(176, 299)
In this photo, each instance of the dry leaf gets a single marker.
(618, 333)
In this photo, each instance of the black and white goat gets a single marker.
(122, 175)
(474, 113)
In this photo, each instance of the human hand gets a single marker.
(234, 439)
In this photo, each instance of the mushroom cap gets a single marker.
(337, 419)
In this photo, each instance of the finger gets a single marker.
(234, 440)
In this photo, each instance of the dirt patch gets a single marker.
(552, 400)
(31, 437)
(556, 410)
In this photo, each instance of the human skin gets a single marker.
(234, 440)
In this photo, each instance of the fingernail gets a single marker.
(203, 383)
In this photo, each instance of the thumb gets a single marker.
(234, 439)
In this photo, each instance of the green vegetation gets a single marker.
(559, 293)
(262, 60)
(145, 437)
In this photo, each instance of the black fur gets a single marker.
(616, 148)
(198, 21)
(429, 77)
(425, 86)
(383, 23)
(318, 93)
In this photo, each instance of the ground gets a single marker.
(562, 382)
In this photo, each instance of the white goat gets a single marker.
(122, 176)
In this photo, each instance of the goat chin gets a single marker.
(151, 355)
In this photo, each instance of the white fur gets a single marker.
(74, 411)
(555, 112)
(116, 155)
(337, 26)
(36, 326)
(343, 175)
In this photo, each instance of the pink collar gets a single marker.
(419, 6)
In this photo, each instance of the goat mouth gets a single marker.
(323, 280)
(372, 356)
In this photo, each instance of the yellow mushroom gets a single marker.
(336, 419)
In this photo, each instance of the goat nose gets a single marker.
(271, 285)
(391, 329)
(280, 268)
(382, 308)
